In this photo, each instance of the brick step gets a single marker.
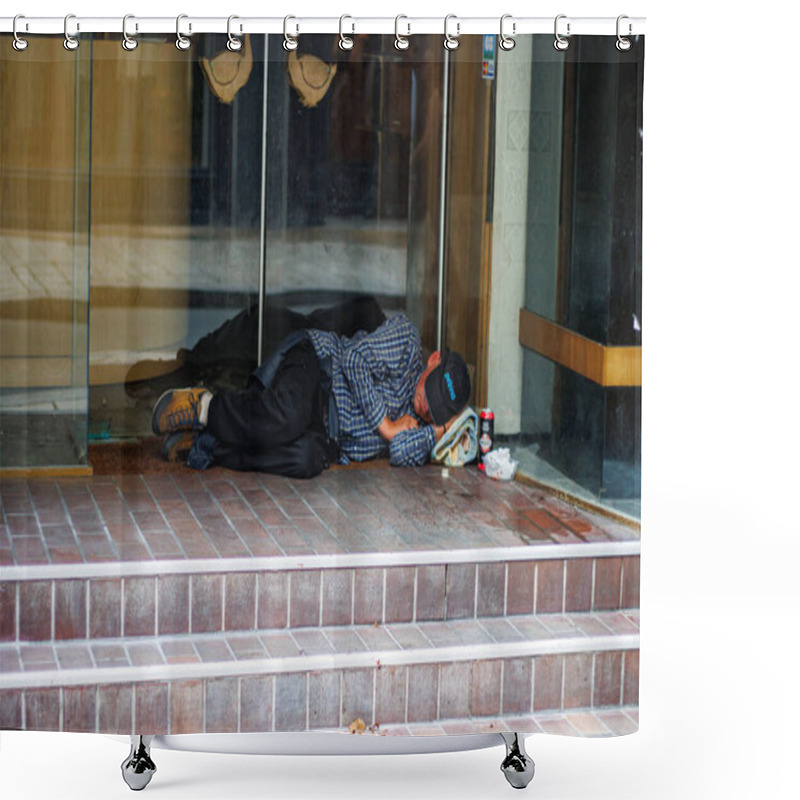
(146, 599)
(403, 673)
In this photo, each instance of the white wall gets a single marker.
(508, 244)
(526, 207)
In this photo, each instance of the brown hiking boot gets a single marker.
(177, 445)
(178, 410)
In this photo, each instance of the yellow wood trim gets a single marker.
(61, 309)
(22, 372)
(19, 372)
(7, 473)
(622, 366)
(605, 365)
(108, 374)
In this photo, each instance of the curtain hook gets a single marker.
(70, 42)
(289, 42)
(451, 42)
(561, 42)
(181, 41)
(345, 42)
(19, 43)
(401, 42)
(234, 43)
(128, 43)
(507, 42)
(623, 44)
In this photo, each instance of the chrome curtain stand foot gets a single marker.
(138, 768)
(517, 766)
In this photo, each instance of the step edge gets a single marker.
(243, 633)
(210, 566)
(490, 651)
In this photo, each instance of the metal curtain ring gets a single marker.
(451, 42)
(623, 44)
(561, 43)
(289, 42)
(128, 43)
(19, 43)
(345, 42)
(234, 43)
(70, 42)
(401, 42)
(181, 41)
(507, 42)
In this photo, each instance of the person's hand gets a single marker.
(388, 429)
(441, 430)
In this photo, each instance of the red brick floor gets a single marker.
(222, 514)
(420, 600)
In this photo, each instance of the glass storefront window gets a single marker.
(176, 220)
(276, 186)
(44, 256)
(344, 172)
(494, 197)
(568, 229)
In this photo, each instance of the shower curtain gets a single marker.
(170, 214)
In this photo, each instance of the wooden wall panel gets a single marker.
(141, 193)
(38, 212)
(424, 190)
(467, 253)
(142, 128)
(141, 123)
(37, 136)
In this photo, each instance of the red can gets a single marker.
(485, 434)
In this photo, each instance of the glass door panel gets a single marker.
(176, 223)
(44, 255)
(565, 374)
(353, 141)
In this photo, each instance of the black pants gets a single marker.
(225, 357)
(278, 428)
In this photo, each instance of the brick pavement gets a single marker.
(221, 514)
(420, 601)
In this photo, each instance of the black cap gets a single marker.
(447, 388)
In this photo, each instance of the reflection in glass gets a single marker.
(569, 153)
(237, 196)
(44, 259)
(176, 188)
(292, 173)
(341, 167)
